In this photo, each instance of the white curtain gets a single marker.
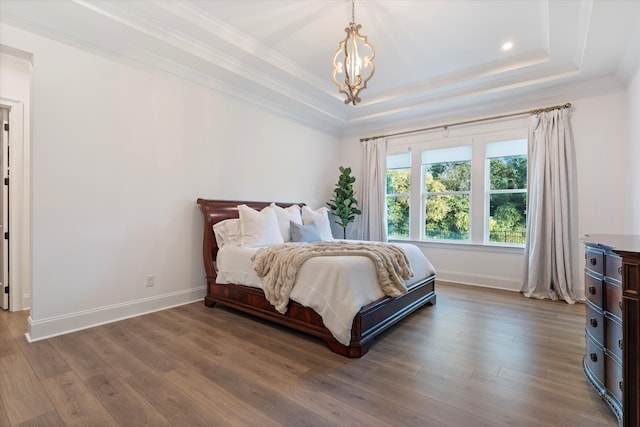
(373, 221)
(550, 247)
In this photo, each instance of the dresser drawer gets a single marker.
(595, 323)
(593, 289)
(594, 260)
(613, 298)
(613, 378)
(613, 336)
(613, 266)
(594, 360)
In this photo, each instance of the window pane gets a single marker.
(451, 176)
(447, 217)
(398, 181)
(398, 188)
(507, 173)
(398, 216)
(507, 218)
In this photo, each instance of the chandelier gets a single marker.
(349, 60)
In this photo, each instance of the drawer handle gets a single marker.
(593, 322)
(594, 357)
(593, 261)
(620, 270)
(620, 344)
(592, 290)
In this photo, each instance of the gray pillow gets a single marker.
(304, 233)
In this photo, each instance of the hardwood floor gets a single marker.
(479, 357)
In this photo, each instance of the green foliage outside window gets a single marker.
(508, 173)
(447, 200)
(398, 187)
(508, 199)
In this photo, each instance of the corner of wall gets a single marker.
(633, 93)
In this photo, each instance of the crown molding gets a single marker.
(185, 41)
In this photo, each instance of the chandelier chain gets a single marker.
(353, 11)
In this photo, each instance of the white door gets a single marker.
(4, 209)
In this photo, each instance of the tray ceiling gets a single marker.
(434, 59)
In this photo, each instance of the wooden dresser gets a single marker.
(612, 289)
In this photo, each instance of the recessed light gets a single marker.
(507, 46)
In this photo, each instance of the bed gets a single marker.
(369, 321)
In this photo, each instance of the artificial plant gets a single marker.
(344, 205)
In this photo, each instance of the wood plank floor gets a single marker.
(479, 357)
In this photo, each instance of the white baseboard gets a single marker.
(495, 282)
(59, 325)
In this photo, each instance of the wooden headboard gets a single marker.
(215, 211)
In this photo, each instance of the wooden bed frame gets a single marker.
(370, 321)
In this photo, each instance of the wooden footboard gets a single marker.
(371, 320)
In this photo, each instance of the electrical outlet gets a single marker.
(149, 280)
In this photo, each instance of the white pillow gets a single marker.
(284, 215)
(227, 232)
(320, 218)
(259, 228)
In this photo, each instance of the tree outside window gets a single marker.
(468, 189)
(447, 197)
(508, 199)
(398, 195)
(398, 187)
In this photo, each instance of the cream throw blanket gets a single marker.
(278, 265)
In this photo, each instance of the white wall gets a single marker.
(121, 152)
(601, 134)
(633, 161)
(601, 139)
(119, 155)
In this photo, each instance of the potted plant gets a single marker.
(344, 205)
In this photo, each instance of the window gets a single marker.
(464, 189)
(447, 191)
(507, 191)
(398, 195)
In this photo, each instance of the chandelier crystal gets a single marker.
(354, 59)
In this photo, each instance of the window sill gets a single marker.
(466, 246)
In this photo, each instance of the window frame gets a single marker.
(478, 136)
(402, 160)
(397, 195)
(424, 194)
(489, 192)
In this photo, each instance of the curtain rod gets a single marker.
(536, 111)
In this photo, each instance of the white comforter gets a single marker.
(335, 287)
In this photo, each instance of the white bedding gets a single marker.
(335, 287)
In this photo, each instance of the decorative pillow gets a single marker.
(259, 228)
(320, 218)
(304, 233)
(227, 232)
(286, 215)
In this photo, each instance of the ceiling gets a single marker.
(435, 60)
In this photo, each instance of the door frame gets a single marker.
(19, 206)
(4, 212)
(15, 93)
